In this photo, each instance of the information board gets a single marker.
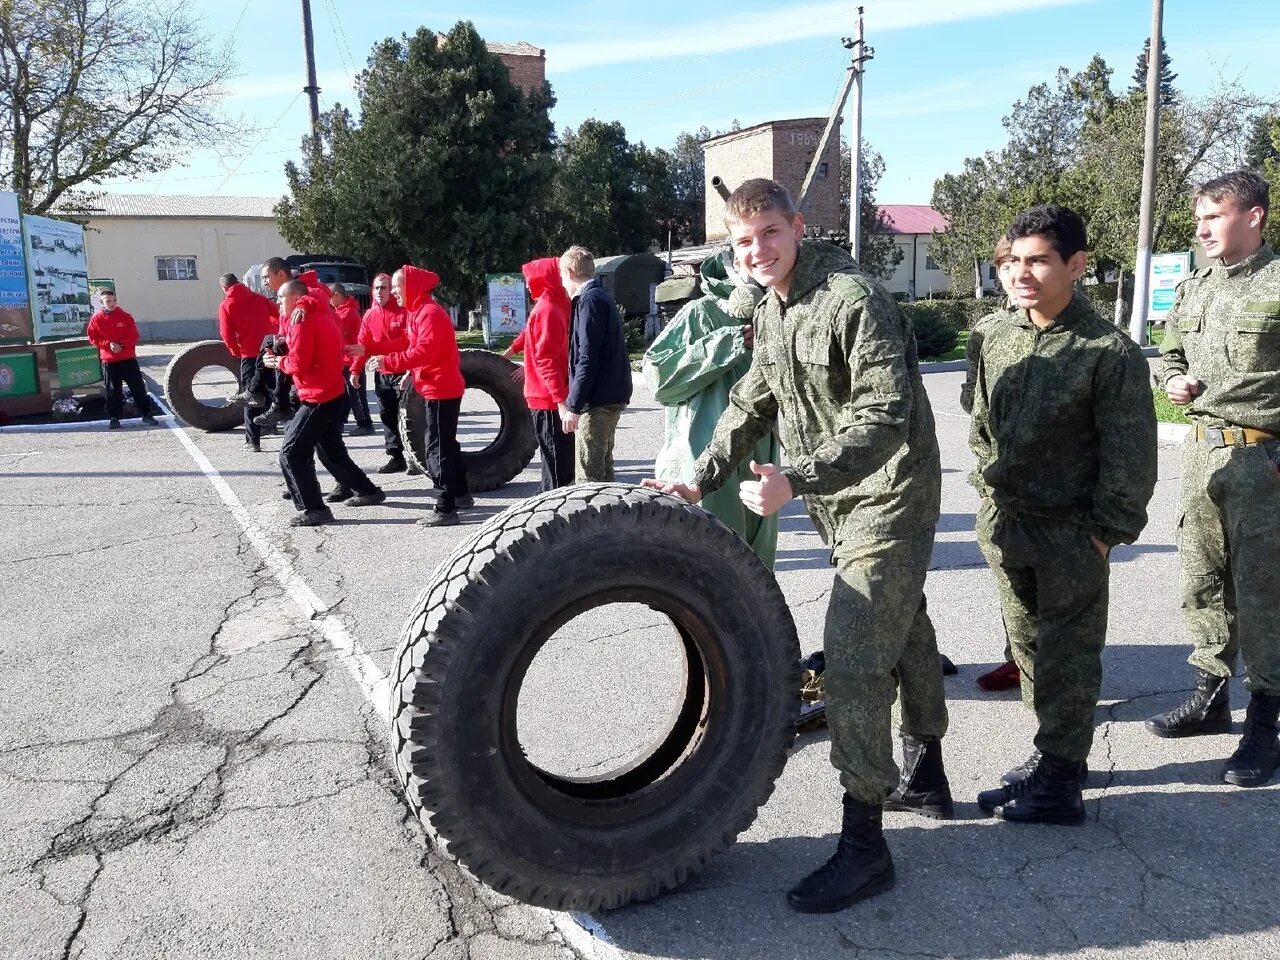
(507, 313)
(59, 277)
(1167, 271)
(15, 302)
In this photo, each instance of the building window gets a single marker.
(176, 268)
(929, 263)
(991, 272)
(822, 171)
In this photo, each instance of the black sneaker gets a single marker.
(367, 499)
(393, 465)
(114, 424)
(150, 421)
(437, 519)
(339, 495)
(269, 418)
(361, 430)
(312, 518)
(465, 500)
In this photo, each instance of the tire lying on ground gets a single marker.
(179, 390)
(503, 458)
(637, 831)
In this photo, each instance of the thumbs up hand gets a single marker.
(767, 495)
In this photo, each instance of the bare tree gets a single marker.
(91, 89)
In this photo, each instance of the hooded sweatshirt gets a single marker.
(114, 327)
(545, 338)
(382, 331)
(349, 319)
(432, 354)
(315, 358)
(244, 318)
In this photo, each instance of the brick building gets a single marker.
(778, 150)
(526, 64)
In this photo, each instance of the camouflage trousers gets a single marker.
(984, 544)
(1229, 544)
(593, 448)
(1053, 586)
(879, 644)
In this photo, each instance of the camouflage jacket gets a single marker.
(1224, 330)
(973, 350)
(1064, 425)
(835, 367)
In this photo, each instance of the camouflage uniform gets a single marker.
(593, 448)
(1064, 432)
(835, 368)
(1224, 331)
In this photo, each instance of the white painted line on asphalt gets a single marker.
(581, 931)
(373, 683)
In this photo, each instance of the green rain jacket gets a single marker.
(691, 367)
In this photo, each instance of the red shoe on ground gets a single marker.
(1003, 677)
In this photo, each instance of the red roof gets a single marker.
(913, 218)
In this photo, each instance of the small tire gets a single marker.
(632, 833)
(179, 386)
(502, 459)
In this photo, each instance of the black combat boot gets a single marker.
(1029, 765)
(860, 868)
(1207, 711)
(1050, 795)
(1258, 755)
(923, 788)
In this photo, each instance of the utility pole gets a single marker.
(312, 90)
(861, 54)
(1146, 215)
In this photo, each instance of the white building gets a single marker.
(165, 254)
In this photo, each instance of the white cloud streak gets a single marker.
(793, 22)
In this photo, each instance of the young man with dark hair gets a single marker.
(1221, 360)
(348, 311)
(313, 356)
(275, 274)
(115, 333)
(835, 370)
(1005, 676)
(599, 374)
(382, 331)
(1064, 433)
(245, 319)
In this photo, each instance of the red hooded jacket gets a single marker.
(114, 327)
(244, 318)
(382, 331)
(432, 353)
(315, 359)
(545, 338)
(349, 319)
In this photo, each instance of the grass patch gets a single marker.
(956, 352)
(1166, 412)
(474, 339)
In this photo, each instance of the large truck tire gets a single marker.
(643, 829)
(179, 389)
(502, 459)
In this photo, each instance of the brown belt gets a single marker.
(1231, 436)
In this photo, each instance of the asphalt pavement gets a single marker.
(193, 760)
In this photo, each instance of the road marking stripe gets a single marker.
(581, 931)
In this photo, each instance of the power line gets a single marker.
(250, 151)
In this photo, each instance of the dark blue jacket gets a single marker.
(599, 374)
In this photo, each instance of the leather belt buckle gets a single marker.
(1213, 436)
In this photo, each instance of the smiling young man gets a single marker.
(1064, 432)
(835, 370)
(1222, 361)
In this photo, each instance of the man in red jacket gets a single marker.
(348, 311)
(115, 334)
(314, 358)
(433, 358)
(245, 319)
(545, 344)
(383, 331)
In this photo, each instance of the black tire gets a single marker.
(179, 391)
(633, 833)
(506, 456)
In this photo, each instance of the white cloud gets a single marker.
(798, 22)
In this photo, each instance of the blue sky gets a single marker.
(944, 72)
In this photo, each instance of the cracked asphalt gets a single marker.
(188, 770)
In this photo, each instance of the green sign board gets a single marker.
(78, 366)
(18, 375)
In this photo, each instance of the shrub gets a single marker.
(935, 334)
